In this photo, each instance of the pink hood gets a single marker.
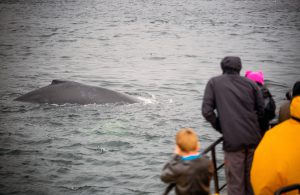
(255, 76)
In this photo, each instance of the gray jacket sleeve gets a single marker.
(209, 106)
(169, 173)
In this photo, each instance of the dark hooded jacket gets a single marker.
(284, 110)
(234, 105)
(191, 177)
(269, 109)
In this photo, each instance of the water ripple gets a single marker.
(161, 51)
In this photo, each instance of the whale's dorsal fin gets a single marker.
(56, 81)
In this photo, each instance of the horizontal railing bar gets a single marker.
(223, 186)
(213, 145)
(221, 166)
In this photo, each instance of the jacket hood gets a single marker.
(231, 64)
(295, 107)
(296, 88)
(255, 76)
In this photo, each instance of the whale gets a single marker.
(70, 92)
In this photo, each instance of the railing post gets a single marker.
(216, 179)
(212, 149)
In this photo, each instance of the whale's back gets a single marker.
(62, 92)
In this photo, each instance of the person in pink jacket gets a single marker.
(269, 103)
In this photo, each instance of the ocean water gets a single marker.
(162, 52)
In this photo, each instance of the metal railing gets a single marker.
(212, 148)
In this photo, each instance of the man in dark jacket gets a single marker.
(234, 105)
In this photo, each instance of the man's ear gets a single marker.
(177, 150)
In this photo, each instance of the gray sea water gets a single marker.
(161, 51)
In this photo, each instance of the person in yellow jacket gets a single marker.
(276, 162)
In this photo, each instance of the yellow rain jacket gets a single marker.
(276, 160)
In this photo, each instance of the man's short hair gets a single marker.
(231, 64)
(187, 139)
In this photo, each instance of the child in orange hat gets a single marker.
(188, 170)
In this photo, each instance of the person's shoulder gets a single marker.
(246, 80)
(249, 83)
(200, 164)
(174, 165)
(204, 159)
(216, 78)
(285, 104)
(176, 161)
